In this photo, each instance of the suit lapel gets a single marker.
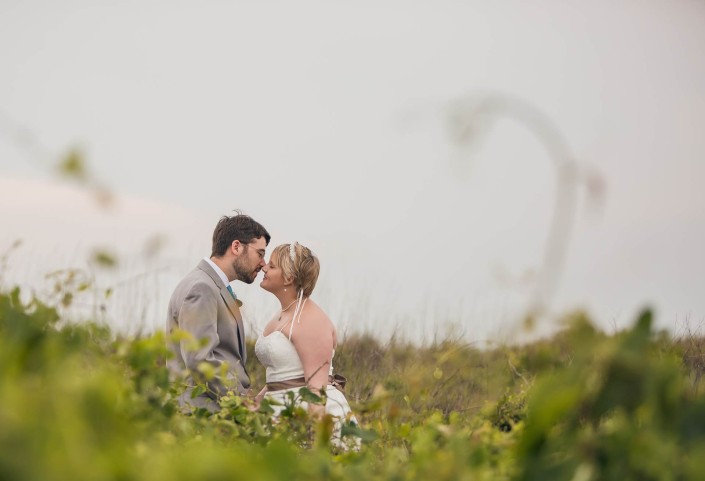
(235, 311)
(231, 304)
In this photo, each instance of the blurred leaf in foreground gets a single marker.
(103, 258)
(73, 165)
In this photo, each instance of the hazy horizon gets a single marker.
(328, 123)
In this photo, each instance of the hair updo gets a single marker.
(302, 270)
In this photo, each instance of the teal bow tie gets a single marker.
(230, 290)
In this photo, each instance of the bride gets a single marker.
(298, 343)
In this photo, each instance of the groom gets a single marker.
(206, 309)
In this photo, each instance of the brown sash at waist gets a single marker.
(338, 381)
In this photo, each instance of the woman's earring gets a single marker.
(285, 289)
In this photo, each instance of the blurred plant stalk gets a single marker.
(469, 119)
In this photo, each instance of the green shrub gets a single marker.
(78, 403)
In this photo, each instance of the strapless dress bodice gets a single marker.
(278, 355)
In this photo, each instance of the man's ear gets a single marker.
(236, 247)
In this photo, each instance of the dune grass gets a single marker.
(78, 402)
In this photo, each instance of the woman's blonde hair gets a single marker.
(298, 264)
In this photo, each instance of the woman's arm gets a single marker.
(313, 340)
(257, 400)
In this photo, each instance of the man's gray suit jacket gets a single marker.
(202, 306)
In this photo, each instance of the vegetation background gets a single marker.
(81, 403)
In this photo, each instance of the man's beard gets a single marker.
(244, 275)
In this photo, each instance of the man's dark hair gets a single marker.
(238, 227)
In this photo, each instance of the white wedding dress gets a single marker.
(276, 352)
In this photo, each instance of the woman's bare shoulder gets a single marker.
(314, 320)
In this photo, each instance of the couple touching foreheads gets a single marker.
(297, 344)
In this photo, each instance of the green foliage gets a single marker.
(508, 411)
(103, 258)
(73, 165)
(79, 403)
(621, 410)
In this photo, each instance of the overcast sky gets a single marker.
(328, 122)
